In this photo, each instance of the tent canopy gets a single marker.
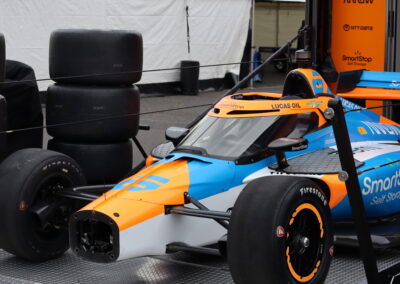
(218, 31)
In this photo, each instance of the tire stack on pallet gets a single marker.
(94, 80)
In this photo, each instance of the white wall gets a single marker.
(218, 30)
(277, 23)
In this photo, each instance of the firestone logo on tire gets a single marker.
(280, 232)
(312, 190)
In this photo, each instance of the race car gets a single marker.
(259, 174)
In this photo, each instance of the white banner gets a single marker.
(218, 31)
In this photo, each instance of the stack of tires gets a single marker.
(23, 103)
(89, 111)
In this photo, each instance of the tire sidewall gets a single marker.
(301, 192)
(256, 253)
(20, 236)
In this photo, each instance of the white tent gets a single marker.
(218, 30)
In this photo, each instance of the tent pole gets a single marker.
(252, 49)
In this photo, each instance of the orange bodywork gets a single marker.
(339, 192)
(231, 107)
(371, 94)
(133, 197)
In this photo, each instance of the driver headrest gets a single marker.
(297, 84)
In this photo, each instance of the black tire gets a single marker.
(23, 100)
(266, 224)
(101, 163)
(3, 127)
(87, 52)
(78, 103)
(281, 65)
(28, 180)
(2, 58)
(27, 138)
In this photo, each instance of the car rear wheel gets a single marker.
(280, 232)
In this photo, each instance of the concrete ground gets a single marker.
(159, 122)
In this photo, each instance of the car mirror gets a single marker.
(175, 134)
(288, 144)
(162, 150)
(282, 145)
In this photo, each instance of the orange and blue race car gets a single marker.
(259, 174)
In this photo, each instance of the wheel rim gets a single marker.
(280, 66)
(54, 223)
(304, 242)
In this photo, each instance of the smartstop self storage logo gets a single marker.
(357, 59)
(358, 1)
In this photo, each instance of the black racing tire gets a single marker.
(280, 65)
(275, 233)
(28, 180)
(3, 127)
(101, 163)
(88, 52)
(32, 138)
(2, 58)
(22, 95)
(67, 104)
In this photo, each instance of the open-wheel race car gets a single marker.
(259, 174)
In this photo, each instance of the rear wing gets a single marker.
(369, 85)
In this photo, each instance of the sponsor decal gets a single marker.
(394, 84)
(371, 186)
(376, 128)
(298, 148)
(348, 104)
(358, 1)
(364, 149)
(393, 163)
(347, 28)
(385, 198)
(361, 130)
(152, 182)
(318, 84)
(314, 104)
(357, 59)
(231, 105)
(280, 232)
(312, 190)
(285, 105)
(22, 205)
